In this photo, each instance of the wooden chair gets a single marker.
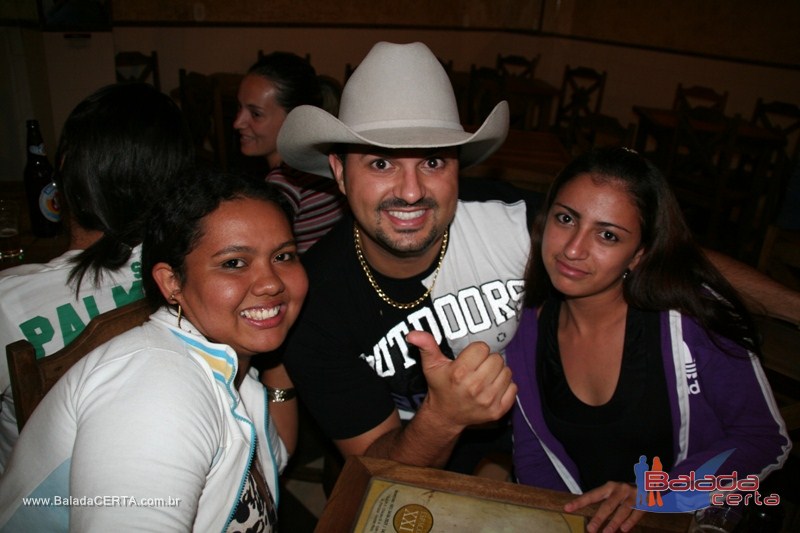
(581, 93)
(759, 178)
(209, 105)
(522, 91)
(703, 102)
(32, 378)
(724, 181)
(137, 67)
(484, 92)
(579, 122)
(517, 66)
(581, 96)
(196, 95)
(698, 168)
(783, 118)
(225, 88)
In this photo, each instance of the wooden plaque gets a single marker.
(381, 496)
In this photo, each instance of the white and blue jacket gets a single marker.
(145, 433)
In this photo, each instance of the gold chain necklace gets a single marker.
(377, 288)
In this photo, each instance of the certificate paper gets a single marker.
(390, 507)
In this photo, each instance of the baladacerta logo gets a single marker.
(658, 493)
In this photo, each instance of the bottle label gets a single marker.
(48, 203)
(37, 149)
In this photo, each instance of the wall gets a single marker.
(44, 75)
(513, 14)
(636, 76)
(746, 47)
(21, 97)
(77, 65)
(744, 29)
(741, 29)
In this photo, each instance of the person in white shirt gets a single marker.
(117, 151)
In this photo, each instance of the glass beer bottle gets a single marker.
(40, 188)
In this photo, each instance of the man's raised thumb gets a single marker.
(430, 353)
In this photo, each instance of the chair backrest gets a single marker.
(704, 102)
(726, 177)
(698, 150)
(196, 93)
(226, 106)
(783, 118)
(581, 96)
(517, 66)
(209, 105)
(32, 378)
(485, 90)
(699, 169)
(137, 67)
(581, 92)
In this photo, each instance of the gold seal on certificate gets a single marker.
(413, 517)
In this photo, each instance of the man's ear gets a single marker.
(168, 283)
(337, 167)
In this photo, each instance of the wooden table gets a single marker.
(780, 342)
(344, 507)
(659, 125)
(528, 159)
(36, 249)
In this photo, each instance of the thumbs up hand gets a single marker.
(475, 388)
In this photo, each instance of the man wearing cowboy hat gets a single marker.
(412, 298)
(412, 257)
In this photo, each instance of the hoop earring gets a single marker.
(180, 309)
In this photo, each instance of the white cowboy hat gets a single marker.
(398, 97)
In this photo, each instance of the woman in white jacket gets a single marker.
(166, 428)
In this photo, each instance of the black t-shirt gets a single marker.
(347, 353)
(605, 441)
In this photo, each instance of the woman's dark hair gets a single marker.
(118, 149)
(294, 77)
(174, 227)
(673, 272)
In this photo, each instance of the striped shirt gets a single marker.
(316, 201)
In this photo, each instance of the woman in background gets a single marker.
(171, 411)
(275, 85)
(631, 343)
